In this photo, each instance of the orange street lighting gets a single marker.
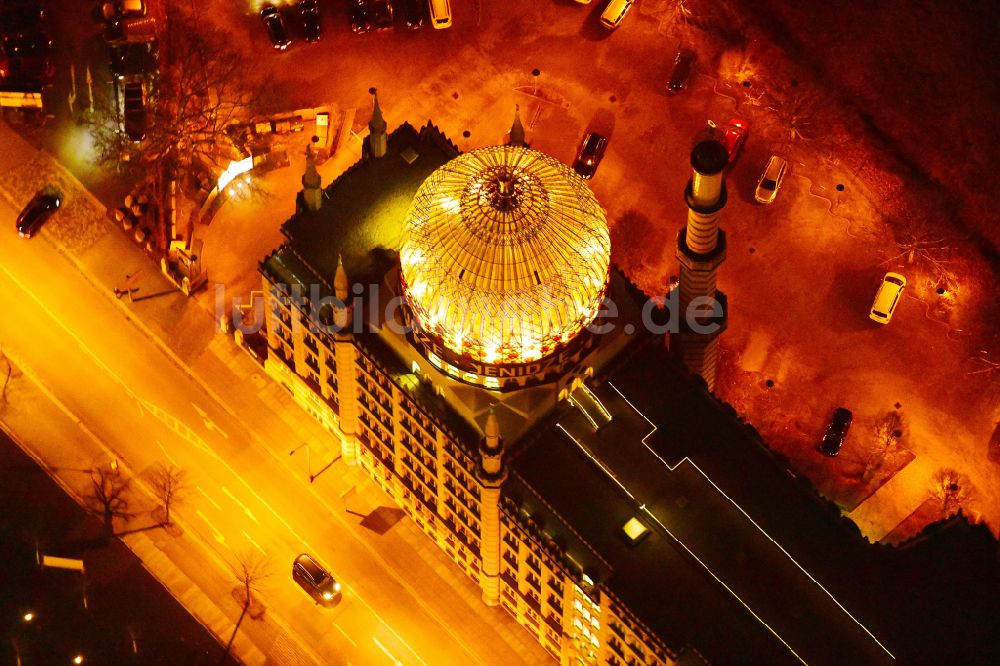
(29, 616)
(78, 659)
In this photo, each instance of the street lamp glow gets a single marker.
(29, 616)
(78, 659)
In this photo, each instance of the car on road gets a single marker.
(615, 12)
(275, 26)
(588, 157)
(734, 136)
(770, 180)
(316, 581)
(134, 58)
(45, 202)
(414, 13)
(681, 71)
(309, 12)
(833, 440)
(360, 15)
(382, 14)
(887, 297)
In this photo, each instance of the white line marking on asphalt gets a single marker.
(215, 533)
(395, 661)
(349, 639)
(209, 498)
(209, 423)
(246, 510)
(257, 545)
(172, 461)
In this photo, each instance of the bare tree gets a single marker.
(202, 89)
(169, 484)
(251, 569)
(953, 489)
(887, 432)
(107, 496)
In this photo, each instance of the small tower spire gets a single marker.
(312, 183)
(341, 309)
(516, 137)
(377, 139)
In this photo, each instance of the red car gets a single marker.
(734, 136)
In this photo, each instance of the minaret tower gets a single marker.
(491, 473)
(516, 136)
(344, 356)
(377, 138)
(701, 249)
(312, 191)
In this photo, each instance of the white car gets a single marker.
(440, 11)
(887, 297)
(770, 180)
(615, 12)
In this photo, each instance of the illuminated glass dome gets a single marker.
(505, 255)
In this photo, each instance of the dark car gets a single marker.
(835, 434)
(381, 14)
(590, 154)
(275, 27)
(360, 15)
(414, 13)
(45, 202)
(681, 71)
(134, 58)
(315, 580)
(309, 10)
(134, 109)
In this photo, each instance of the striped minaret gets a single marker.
(344, 356)
(701, 249)
(491, 473)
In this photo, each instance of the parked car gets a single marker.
(315, 580)
(833, 440)
(134, 108)
(360, 16)
(382, 14)
(887, 297)
(45, 202)
(588, 157)
(770, 180)
(734, 136)
(615, 12)
(309, 11)
(414, 13)
(275, 27)
(681, 71)
(134, 58)
(440, 13)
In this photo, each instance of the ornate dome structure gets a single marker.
(505, 255)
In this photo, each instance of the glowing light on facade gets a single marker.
(505, 255)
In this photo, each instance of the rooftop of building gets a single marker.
(719, 566)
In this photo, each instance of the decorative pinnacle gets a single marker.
(377, 124)
(340, 281)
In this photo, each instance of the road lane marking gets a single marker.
(172, 461)
(345, 634)
(216, 504)
(209, 423)
(395, 661)
(215, 533)
(257, 545)
(246, 509)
